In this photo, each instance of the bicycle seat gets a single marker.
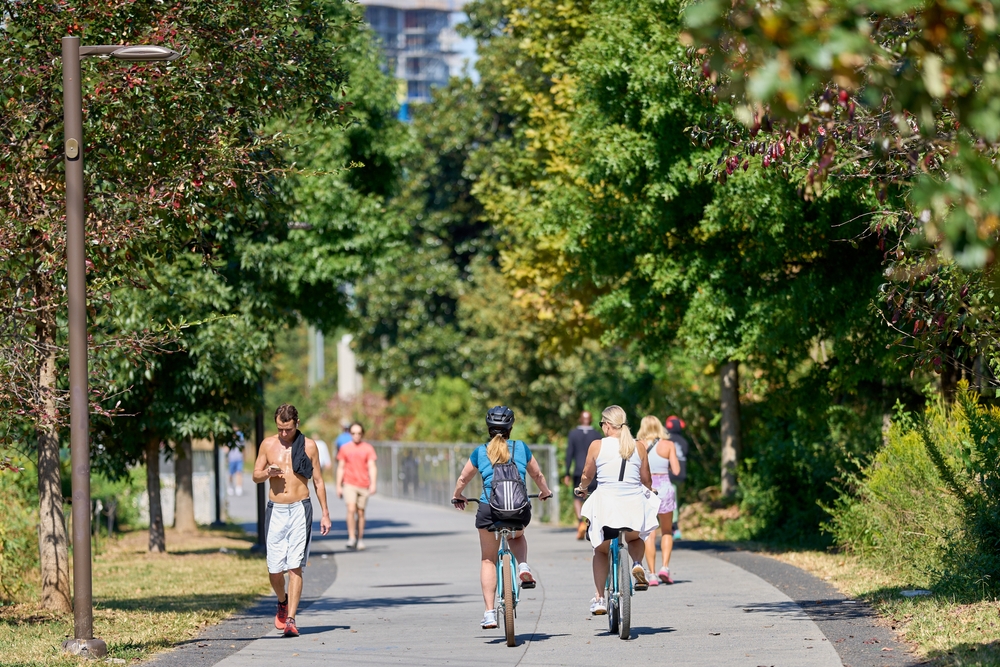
(510, 525)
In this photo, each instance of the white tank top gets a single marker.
(609, 465)
(657, 464)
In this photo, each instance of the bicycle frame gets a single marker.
(502, 535)
(619, 613)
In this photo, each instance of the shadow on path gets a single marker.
(345, 604)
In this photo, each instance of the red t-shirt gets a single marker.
(355, 458)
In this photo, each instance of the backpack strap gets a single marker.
(650, 448)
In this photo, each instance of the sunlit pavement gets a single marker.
(413, 598)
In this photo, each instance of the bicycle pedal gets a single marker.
(527, 584)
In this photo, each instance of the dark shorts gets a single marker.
(485, 519)
(590, 489)
(609, 533)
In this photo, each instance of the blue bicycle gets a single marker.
(508, 586)
(618, 589)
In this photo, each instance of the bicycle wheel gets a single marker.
(610, 594)
(508, 599)
(624, 592)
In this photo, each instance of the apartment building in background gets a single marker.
(421, 45)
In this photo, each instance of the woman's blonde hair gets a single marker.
(650, 429)
(614, 416)
(497, 450)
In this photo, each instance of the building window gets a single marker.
(418, 90)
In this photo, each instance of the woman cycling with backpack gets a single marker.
(623, 504)
(499, 453)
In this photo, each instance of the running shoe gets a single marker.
(360, 546)
(664, 575)
(651, 579)
(598, 607)
(524, 573)
(352, 544)
(639, 574)
(282, 615)
(290, 629)
(490, 619)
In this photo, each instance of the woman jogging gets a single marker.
(662, 456)
(623, 504)
(499, 450)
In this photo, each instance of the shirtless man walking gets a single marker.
(289, 460)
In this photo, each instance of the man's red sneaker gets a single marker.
(282, 616)
(290, 629)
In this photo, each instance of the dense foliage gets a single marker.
(937, 470)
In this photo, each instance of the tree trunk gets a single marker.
(157, 537)
(730, 403)
(53, 551)
(184, 498)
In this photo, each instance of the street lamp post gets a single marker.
(83, 642)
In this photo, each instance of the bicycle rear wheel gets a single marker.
(624, 591)
(507, 572)
(610, 594)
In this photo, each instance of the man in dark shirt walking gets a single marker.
(576, 456)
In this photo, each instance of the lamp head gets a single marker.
(144, 53)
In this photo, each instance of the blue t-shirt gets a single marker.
(479, 459)
(343, 439)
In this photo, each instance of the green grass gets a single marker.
(939, 629)
(143, 602)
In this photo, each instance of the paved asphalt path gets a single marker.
(413, 598)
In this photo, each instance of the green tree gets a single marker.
(276, 259)
(168, 146)
(901, 92)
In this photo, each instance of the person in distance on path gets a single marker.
(675, 431)
(623, 504)
(499, 450)
(289, 460)
(663, 461)
(356, 482)
(576, 456)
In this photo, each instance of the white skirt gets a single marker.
(613, 506)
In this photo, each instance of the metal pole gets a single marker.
(76, 279)
(217, 452)
(553, 480)
(394, 471)
(261, 491)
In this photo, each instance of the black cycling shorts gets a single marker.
(485, 518)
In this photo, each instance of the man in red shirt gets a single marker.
(356, 478)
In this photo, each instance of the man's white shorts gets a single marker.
(287, 534)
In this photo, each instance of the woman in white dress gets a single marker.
(623, 504)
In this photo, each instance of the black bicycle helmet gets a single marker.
(499, 420)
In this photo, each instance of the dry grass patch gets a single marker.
(144, 602)
(942, 631)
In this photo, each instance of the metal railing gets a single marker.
(426, 472)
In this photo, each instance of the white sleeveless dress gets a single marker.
(619, 504)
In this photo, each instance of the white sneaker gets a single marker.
(361, 545)
(639, 574)
(524, 574)
(239, 490)
(351, 544)
(598, 607)
(232, 491)
(490, 620)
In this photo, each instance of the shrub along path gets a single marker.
(413, 598)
